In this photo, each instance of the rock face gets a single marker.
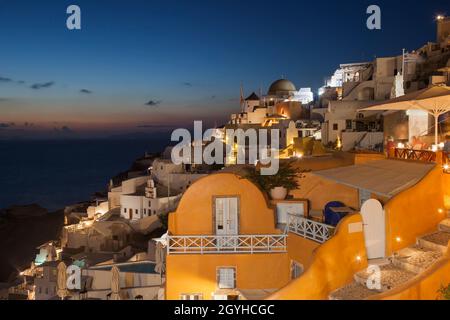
(22, 230)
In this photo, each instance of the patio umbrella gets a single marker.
(115, 283)
(435, 100)
(62, 291)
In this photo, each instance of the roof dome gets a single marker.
(281, 85)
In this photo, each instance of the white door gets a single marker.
(226, 213)
(374, 228)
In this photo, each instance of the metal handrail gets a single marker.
(212, 244)
(309, 229)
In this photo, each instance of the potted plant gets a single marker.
(279, 184)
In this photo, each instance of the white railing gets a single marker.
(226, 244)
(309, 229)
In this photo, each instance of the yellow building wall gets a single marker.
(320, 191)
(197, 273)
(301, 250)
(416, 211)
(194, 215)
(333, 265)
(361, 158)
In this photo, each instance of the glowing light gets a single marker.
(439, 17)
(339, 143)
(440, 210)
(299, 155)
(446, 167)
(434, 148)
(358, 258)
(398, 239)
(400, 145)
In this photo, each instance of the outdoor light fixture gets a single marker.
(446, 167)
(440, 210)
(358, 258)
(439, 17)
(398, 239)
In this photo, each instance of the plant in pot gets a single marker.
(279, 184)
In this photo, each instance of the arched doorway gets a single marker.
(374, 228)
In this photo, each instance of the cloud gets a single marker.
(187, 84)
(38, 86)
(153, 103)
(63, 129)
(153, 126)
(3, 79)
(66, 129)
(86, 91)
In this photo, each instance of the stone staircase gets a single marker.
(400, 268)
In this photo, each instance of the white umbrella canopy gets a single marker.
(115, 283)
(435, 100)
(62, 291)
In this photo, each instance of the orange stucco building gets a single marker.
(224, 243)
(226, 240)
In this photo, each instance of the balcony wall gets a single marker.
(416, 211)
(333, 264)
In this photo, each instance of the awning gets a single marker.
(382, 177)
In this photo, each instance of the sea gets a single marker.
(54, 174)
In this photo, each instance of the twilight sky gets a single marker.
(146, 66)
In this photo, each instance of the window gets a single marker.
(191, 296)
(226, 278)
(136, 211)
(145, 211)
(335, 126)
(348, 124)
(124, 210)
(149, 204)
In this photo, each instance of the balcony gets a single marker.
(217, 244)
(417, 155)
(309, 229)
